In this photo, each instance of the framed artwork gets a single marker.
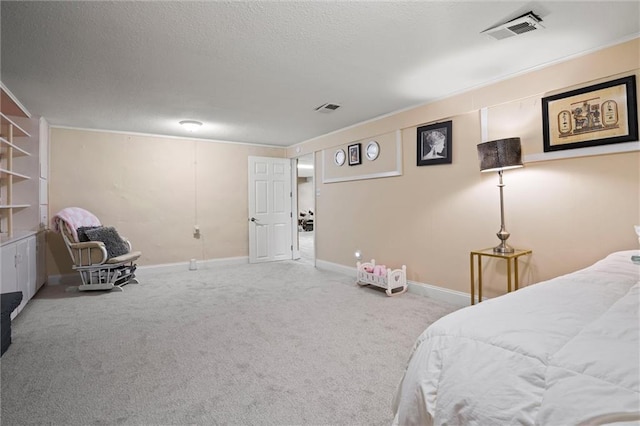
(339, 157)
(354, 154)
(434, 144)
(601, 114)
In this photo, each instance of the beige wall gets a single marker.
(570, 211)
(154, 190)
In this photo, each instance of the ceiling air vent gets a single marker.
(327, 107)
(522, 24)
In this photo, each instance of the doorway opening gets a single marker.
(306, 208)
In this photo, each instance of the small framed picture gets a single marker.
(434, 144)
(354, 154)
(601, 114)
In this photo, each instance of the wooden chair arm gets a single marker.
(88, 253)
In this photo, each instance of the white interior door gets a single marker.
(269, 209)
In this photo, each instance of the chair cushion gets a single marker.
(82, 233)
(114, 244)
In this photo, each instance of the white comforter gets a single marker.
(560, 352)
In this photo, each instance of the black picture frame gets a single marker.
(434, 144)
(600, 114)
(353, 152)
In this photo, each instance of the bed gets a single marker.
(560, 352)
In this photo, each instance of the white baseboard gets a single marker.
(335, 267)
(184, 266)
(454, 297)
(457, 298)
(66, 279)
(142, 271)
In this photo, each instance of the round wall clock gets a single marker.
(339, 157)
(373, 150)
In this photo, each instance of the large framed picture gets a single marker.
(602, 114)
(354, 154)
(434, 144)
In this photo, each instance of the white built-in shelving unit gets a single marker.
(13, 138)
(23, 198)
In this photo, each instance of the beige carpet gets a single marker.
(306, 245)
(278, 343)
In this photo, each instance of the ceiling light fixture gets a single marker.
(190, 125)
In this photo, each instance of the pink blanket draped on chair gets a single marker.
(74, 217)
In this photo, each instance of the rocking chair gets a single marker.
(91, 258)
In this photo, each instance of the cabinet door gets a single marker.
(32, 267)
(23, 261)
(41, 265)
(9, 278)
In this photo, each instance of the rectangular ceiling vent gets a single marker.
(327, 107)
(523, 24)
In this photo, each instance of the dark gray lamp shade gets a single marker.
(501, 154)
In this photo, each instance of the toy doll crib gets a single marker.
(392, 278)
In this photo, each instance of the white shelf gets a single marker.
(14, 174)
(18, 131)
(14, 206)
(14, 146)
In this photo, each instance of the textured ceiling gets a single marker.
(254, 71)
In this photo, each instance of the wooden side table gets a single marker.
(509, 257)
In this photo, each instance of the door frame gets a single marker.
(295, 241)
(294, 188)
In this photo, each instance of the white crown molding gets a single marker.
(583, 152)
(155, 135)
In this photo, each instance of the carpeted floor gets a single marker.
(305, 242)
(278, 343)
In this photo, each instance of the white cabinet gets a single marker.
(40, 264)
(8, 270)
(24, 217)
(19, 269)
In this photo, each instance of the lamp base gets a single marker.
(503, 247)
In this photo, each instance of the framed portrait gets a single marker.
(354, 154)
(434, 144)
(601, 114)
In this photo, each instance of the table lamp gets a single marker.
(497, 156)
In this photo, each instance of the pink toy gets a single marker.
(379, 276)
(380, 270)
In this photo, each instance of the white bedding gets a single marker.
(560, 352)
